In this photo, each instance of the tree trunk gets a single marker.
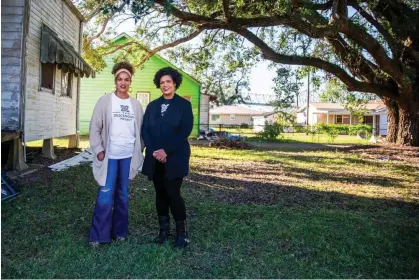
(393, 119)
(408, 131)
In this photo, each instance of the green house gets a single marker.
(142, 88)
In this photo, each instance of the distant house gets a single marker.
(41, 70)
(333, 113)
(142, 88)
(232, 115)
(260, 120)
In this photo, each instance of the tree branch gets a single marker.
(312, 6)
(169, 45)
(121, 47)
(350, 82)
(104, 24)
(226, 10)
(387, 36)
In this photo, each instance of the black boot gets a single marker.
(164, 222)
(181, 235)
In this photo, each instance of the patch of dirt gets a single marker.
(386, 152)
(44, 174)
(34, 156)
(275, 181)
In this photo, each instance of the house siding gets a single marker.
(12, 25)
(204, 112)
(225, 119)
(48, 114)
(92, 90)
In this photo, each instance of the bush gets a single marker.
(299, 128)
(357, 129)
(342, 129)
(271, 131)
(244, 126)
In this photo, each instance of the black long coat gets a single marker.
(169, 133)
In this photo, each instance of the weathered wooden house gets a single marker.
(142, 88)
(40, 74)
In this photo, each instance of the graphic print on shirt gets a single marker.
(124, 114)
(164, 108)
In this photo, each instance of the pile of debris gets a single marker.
(229, 143)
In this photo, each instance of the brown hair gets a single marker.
(122, 65)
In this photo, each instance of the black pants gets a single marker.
(168, 194)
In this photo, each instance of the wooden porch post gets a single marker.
(374, 127)
(327, 117)
(74, 141)
(48, 149)
(15, 160)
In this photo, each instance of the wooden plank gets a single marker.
(11, 53)
(10, 44)
(6, 35)
(10, 61)
(11, 10)
(7, 87)
(12, 3)
(11, 18)
(12, 27)
(7, 136)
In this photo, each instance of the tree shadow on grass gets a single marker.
(238, 191)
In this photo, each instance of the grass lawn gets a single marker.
(300, 137)
(252, 214)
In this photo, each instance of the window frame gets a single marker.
(342, 117)
(69, 84)
(143, 93)
(54, 73)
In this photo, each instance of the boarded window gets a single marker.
(47, 75)
(143, 97)
(215, 117)
(66, 83)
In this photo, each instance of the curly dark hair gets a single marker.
(173, 73)
(123, 65)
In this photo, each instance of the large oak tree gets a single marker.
(370, 46)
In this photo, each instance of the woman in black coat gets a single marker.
(167, 124)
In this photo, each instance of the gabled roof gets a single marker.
(125, 36)
(229, 109)
(373, 105)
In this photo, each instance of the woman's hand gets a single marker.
(160, 155)
(100, 156)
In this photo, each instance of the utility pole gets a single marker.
(308, 100)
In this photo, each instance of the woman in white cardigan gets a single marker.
(115, 139)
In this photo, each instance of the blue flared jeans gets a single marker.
(110, 215)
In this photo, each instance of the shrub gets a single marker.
(342, 129)
(357, 129)
(299, 128)
(244, 126)
(271, 131)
